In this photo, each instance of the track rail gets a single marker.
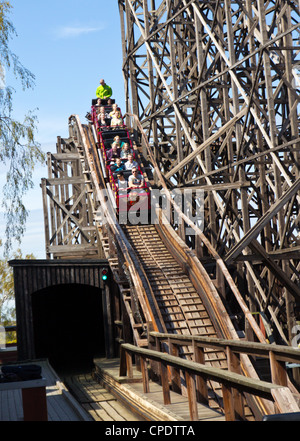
(180, 305)
(162, 283)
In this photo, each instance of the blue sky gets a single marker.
(68, 45)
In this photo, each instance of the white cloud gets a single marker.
(76, 31)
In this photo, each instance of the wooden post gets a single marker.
(278, 372)
(129, 364)
(191, 390)
(175, 373)
(234, 365)
(154, 366)
(165, 383)
(123, 363)
(144, 370)
(228, 403)
(201, 384)
(35, 404)
(158, 348)
(108, 322)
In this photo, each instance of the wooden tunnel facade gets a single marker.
(33, 277)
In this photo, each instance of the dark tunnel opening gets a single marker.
(68, 326)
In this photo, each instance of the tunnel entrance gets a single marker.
(68, 326)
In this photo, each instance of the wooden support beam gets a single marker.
(275, 269)
(145, 375)
(234, 365)
(201, 384)
(123, 363)
(192, 396)
(187, 98)
(207, 143)
(165, 383)
(228, 403)
(278, 371)
(129, 368)
(285, 402)
(175, 373)
(262, 222)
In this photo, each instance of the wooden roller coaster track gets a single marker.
(162, 284)
(214, 90)
(215, 86)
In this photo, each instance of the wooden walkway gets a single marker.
(70, 397)
(61, 404)
(100, 404)
(149, 405)
(103, 396)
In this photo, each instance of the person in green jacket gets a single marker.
(104, 91)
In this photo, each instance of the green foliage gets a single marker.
(19, 151)
(7, 296)
(6, 291)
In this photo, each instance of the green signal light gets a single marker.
(104, 274)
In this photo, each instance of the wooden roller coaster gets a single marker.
(176, 287)
(162, 284)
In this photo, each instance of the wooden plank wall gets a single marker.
(31, 276)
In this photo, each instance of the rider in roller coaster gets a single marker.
(110, 138)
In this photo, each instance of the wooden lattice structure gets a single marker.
(68, 206)
(216, 86)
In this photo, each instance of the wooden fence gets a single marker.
(234, 384)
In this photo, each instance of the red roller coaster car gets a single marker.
(129, 199)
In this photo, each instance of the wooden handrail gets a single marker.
(276, 354)
(282, 353)
(282, 396)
